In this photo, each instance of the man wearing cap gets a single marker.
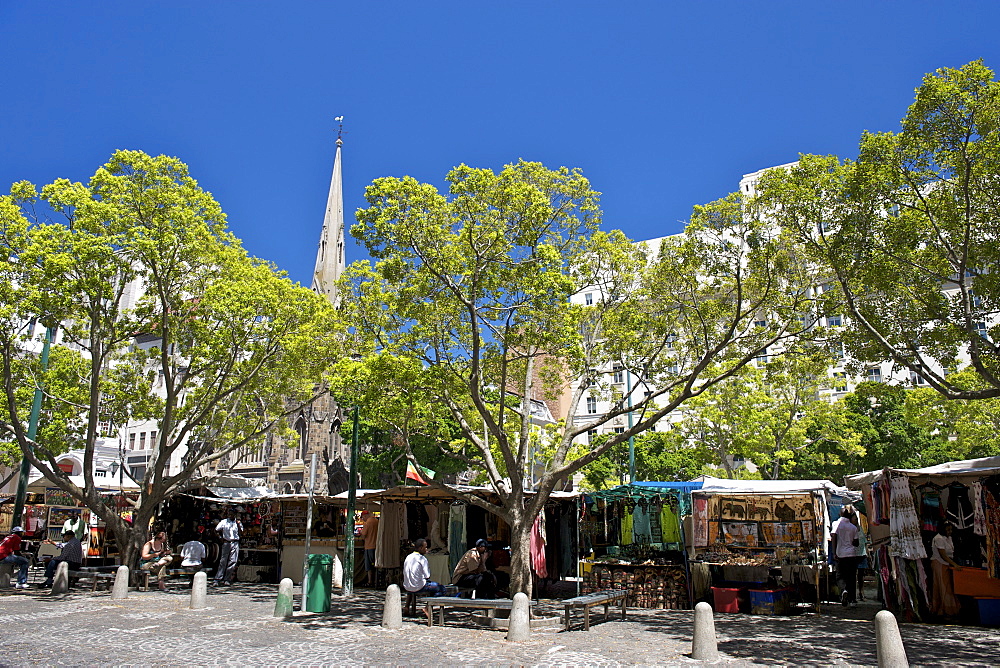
(71, 551)
(471, 572)
(9, 549)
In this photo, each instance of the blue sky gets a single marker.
(663, 105)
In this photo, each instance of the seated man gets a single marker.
(192, 554)
(10, 550)
(417, 574)
(71, 553)
(471, 572)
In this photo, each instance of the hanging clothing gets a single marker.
(641, 530)
(390, 530)
(904, 525)
(979, 517)
(960, 513)
(670, 524)
(457, 539)
(627, 528)
(537, 548)
(700, 522)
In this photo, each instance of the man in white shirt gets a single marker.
(229, 551)
(847, 551)
(417, 573)
(192, 553)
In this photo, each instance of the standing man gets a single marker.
(229, 531)
(846, 550)
(417, 575)
(471, 572)
(71, 552)
(10, 550)
(369, 532)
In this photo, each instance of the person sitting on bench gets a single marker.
(192, 553)
(71, 551)
(471, 573)
(417, 575)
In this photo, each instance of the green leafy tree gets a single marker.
(478, 286)
(968, 428)
(888, 437)
(909, 232)
(659, 457)
(162, 316)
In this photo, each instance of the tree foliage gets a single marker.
(909, 233)
(162, 317)
(477, 287)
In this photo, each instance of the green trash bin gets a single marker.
(319, 582)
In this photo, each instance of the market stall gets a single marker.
(907, 507)
(760, 544)
(452, 525)
(635, 539)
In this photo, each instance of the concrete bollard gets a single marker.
(519, 624)
(392, 613)
(888, 643)
(60, 585)
(284, 606)
(199, 591)
(704, 646)
(120, 590)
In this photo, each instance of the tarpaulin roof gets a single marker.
(241, 493)
(725, 486)
(965, 467)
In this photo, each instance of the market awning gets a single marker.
(241, 493)
(725, 486)
(970, 467)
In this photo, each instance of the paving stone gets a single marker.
(153, 629)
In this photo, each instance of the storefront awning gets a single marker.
(241, 493)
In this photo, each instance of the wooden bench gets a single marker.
(605, 598)
(171, 573)
(95, 576)
(491, 605)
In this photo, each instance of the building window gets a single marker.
(300, 428)
(917, 379)
(833, 321)
(837, 350)
(840, 382)
(591, 405)
(142, 440)
(976, 300)
(131, 441)
(590, 435)
(981, 330)
(760, 323)
(874, 374)
(588, 298)
(617, 375)
(152, 439)
(619, 430)
(761, 357)
(673, 370)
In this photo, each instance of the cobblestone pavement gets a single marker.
(156, 629)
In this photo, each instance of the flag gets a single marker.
(418, 473)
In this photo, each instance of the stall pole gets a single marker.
(309, 524)
(684, 547)
(352, 493)
(36, 409)
(579, 571)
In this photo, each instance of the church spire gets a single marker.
(330, 255)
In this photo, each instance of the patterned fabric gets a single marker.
(904, 525)
(979, 522)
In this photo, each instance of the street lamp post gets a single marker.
(352, 493)
(36, 409)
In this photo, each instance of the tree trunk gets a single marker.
(520, 554)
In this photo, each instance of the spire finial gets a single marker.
(340, 129)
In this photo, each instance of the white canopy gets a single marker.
(971, 467)
(725, 486)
